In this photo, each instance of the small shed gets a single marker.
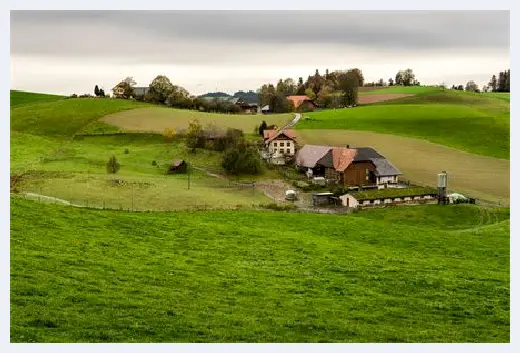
(178, 166)
(323, 198)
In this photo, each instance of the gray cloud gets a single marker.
(185, 35)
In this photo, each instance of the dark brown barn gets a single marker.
(357, 167)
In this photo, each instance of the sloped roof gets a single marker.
(177, 162)
(265, 107)
(309, 155)
(273, 134)
(366, 154)
(338, 158)
(385, 168)
(298, 100)
(342, 157)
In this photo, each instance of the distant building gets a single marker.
(302, 103)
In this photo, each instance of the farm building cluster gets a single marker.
(369, 178)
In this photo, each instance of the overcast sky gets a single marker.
(67, 52)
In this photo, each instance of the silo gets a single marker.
(442, 185)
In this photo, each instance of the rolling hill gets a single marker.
(240, 276)
(469, 122)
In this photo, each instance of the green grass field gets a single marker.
(465, 121)
(402, 90)
(23, 98)
(237, 276)
(76, 172)
(157, 119)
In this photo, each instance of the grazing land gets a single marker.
(23, 98)
(157, 119)
(376, 98)
(486, 178)
(413, 90)
(468, 122)
(76, 172)
(242, 276)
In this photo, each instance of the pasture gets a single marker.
(157, 119)
(467, 122)
(483, 177)
(22, 98)
(241, 276)
(76, 172)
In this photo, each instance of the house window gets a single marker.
(275, 144)
(281, 144)
(288, 150)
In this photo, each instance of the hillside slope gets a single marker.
(105, 276)
(22, 98)
(473, 123)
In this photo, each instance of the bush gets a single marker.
(127, 151)
(241, 159)
(113, 165)
(154, 163)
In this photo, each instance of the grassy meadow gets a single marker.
(242, 276)
(157, 119)
(23, 98)
(468, 122)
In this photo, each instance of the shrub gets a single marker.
(113, 165)
(127, 151)
(241, 159)
(154, 163)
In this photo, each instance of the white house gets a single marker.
(279, 145)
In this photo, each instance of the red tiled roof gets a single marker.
(298, 100)
(342, 157)
(273, 134)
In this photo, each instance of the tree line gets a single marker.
(502, 84)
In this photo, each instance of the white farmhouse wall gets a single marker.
(281, 147)
(349, 200)
(387, 179)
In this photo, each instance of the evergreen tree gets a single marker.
(508, 81)
(101, 92)
(493, 83)
(501, 82)
(96, 91)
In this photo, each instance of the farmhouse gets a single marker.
(119, 90)
(279, 145)
(302, 103)
(348, 166)
(389, 197)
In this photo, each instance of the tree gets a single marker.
(381, 82)
(485, 88)
(195, 135)
(359, 75)
(471, 86)
(102, 92)
(130, 81)
(493, 84)
(160, 89)
(349, 84)
(508, 81)
(390, 81)
(262, 127)
(300, 89)
(406, 78)
(309, 92)
(241, 158)
(112, 165)
(96, 91)
(179, 97)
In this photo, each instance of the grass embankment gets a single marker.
(377, 194)
(468, 122)
(376, 276)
